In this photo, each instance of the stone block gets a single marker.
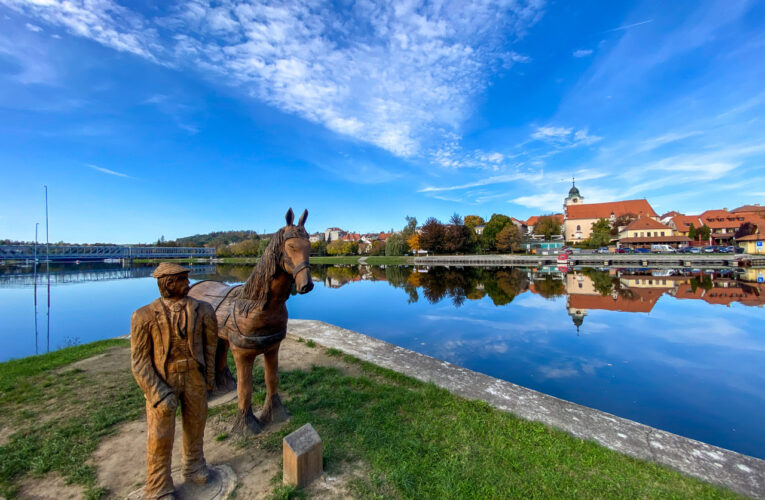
(302, 456)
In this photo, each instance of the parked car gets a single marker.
(641, 250)
(603, 250)
(709, 249)
(662, 248)
(623, 250)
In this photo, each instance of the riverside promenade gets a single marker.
(741, 473)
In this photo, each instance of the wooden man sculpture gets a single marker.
(172, 349)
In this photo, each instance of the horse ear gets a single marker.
(303, 217)
(290, 217)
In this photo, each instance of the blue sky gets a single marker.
(193, 117)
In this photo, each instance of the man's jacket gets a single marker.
(150, 345)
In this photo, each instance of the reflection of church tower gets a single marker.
(573, 198)
(577, 315)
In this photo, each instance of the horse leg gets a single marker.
(224, 380)
(245, 421)
(273, 410)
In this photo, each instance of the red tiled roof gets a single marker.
(748, 208)
(729, 220)
(645, 223)
(671, 214)
(531, 221)
(683, 222)
(656, 239)
(752, 237)
(604, 210)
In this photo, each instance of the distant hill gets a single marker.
(216, 238)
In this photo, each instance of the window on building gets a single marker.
(662, 233)
(578, 227)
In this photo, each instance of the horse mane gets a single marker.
(254, 294)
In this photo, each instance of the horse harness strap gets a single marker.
(299, 268)
(240, 340)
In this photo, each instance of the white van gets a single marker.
(662, 248)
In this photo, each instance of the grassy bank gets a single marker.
(58, 415)
(416, 440)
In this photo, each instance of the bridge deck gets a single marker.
(87, 252)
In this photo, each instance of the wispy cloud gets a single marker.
(582, 52)
(564, 136)
(655, 142)
(107, 171)
(400, 75)
(33, 27)
(628, 26)
(497, 179)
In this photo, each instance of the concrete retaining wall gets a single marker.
(740, 473)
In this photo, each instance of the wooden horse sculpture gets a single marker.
(252, 320)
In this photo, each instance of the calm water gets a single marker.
(680, 351)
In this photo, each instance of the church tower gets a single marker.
(573, 198)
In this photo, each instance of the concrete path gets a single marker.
(740, 473)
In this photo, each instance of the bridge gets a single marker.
(87, 252)
(77, 275)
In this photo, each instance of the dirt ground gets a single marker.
(121, 462)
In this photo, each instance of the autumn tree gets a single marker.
(547, 226)
(414, 242)
(621, 221)
(746, 229)
(509, 239)
(378, 247)
(432, 235)
(472, 221)
(340, 247)
(319, 248)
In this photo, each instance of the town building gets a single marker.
(752, 244)
(333, 234)
(724, 224)
(579, 217)
(682, 223)
(315, 237)
(645, 231)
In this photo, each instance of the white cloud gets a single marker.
(655, 142)
(564, 136)
(400, 75)
(107, 171)
(497, 179)
(628, 26)
(33, 27)
(582, 52)
(547, 202)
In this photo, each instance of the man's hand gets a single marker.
(170, 402)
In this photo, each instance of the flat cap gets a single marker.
(168, 269)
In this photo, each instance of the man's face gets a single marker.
(178, 285)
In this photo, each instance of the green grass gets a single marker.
(60, 416)
(423, 442)
(413, 439)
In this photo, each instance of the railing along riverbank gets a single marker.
(644, 260)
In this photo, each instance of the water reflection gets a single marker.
(585, 289)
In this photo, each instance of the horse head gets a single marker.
(296, 252)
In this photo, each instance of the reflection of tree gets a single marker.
(402, 277)
(503, 286)
(459, 284)
(704, 282)
(342, 275)
(548, 287)
(601, 280)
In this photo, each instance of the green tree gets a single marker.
(704, 232)
(396, 245)
(341, 247)
(547, 226)
(496, 224)
(262, 246)
(410, 228)
(601, 233)
(246, 248)
(319, 248)
(509, 239)
(472, 221)
(692, 233)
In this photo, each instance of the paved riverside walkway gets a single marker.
(740, 473)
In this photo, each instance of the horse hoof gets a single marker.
(246, 423)
(224, 382)
(273, 412)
